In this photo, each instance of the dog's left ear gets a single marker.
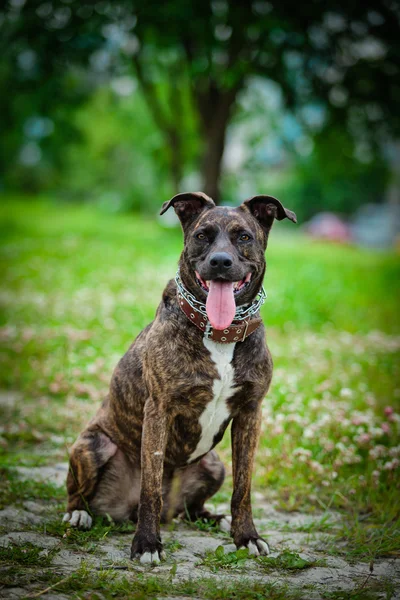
(267, 208)
(188, 206)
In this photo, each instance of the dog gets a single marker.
(148, 454)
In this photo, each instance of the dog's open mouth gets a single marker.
(238, 286)
(221, 305)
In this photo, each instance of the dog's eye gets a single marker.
(201, 236)
(244, 237)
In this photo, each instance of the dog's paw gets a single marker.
(79, 518)
(147, 551)
(148, 558)
(256, 546)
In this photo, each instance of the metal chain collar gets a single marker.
(241, 311)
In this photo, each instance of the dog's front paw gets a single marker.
(147, 549)
(79, 518)
(257, 546)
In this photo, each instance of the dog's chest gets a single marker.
(216, 411)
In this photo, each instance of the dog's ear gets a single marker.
(267, 208)
(188, 206)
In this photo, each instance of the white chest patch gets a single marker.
(216, 411)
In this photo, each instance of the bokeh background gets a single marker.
(123, 103)
(107, 109)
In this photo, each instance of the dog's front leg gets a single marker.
(245, 434)
(146, 543)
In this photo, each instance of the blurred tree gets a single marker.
(330, 179)
(345, 55)
(312, 162)
(120, 162)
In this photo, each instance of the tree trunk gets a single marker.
(214, 144)
(215, 107)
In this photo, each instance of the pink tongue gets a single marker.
(220, 304)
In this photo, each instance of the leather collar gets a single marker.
(238, 331)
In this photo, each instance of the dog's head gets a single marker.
(223, 260)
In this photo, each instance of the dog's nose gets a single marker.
(221, 261)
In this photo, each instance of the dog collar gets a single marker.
(242, 326)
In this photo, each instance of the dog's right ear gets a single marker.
(188, 206)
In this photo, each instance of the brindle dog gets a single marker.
(148, 453)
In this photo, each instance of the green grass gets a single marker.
(27, 555)
(78, 286)
(204, 525)
(108, 584)
(219, 559)
(55, 252)
(85, 582)
(287, 561)
(15, 491)
(172, 545)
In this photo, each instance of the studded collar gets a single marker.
(246, 321)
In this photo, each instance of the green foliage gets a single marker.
(121, 161)
(316, 285)
(332, 178)
(204, 525)
(27, 554)
(323, 524)
(190, 61)
(289, 561)
(13, 490)
(172, 545)
(366, 539)
(325, 168)
(387, 591)
(107, 584)
(230, 560)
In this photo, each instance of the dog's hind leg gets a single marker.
(198, 482)
(91, 451)
(118, 491)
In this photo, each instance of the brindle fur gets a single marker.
(131, 460)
